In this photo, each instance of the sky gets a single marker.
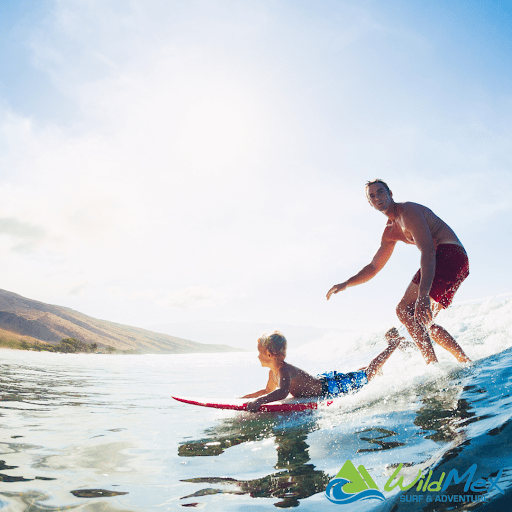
(181, 162)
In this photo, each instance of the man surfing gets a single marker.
(443, 267)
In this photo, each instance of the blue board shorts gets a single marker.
(335, 383)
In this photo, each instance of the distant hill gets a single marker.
(33, 320)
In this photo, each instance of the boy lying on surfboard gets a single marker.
(284, 379)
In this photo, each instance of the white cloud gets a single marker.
(193, 297)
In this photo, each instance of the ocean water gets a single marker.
(102, 433)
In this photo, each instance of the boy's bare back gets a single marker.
(302, 384)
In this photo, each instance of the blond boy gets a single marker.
(285, 379)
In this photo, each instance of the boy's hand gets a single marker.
(253, 406)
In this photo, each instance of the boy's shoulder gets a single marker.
(286, 369)
(288, 366)
(295, 370)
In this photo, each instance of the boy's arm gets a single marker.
(269, 387)
(255, 394)
(278, 394)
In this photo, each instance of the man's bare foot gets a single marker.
(392, 334)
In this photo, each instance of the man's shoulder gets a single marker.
(409, 208)
(410, 205)
(391, 232)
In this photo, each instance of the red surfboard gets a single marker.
(238, 404)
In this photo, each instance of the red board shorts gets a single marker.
(452, 267)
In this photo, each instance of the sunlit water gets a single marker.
(97, 432)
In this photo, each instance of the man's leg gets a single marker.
(405, 313)
(443, 338)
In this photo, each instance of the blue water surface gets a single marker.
(100, 432)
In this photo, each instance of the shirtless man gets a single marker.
(443, 267)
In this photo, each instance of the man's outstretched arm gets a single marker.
(369, 271)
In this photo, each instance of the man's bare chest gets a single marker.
(395, 231)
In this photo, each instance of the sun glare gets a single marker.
(217, 129)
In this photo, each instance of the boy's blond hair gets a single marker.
(275, 343)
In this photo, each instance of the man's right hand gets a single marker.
(422, 311)
(336, 288)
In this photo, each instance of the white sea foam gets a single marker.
(482, 328)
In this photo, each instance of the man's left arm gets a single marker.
(414, 221)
